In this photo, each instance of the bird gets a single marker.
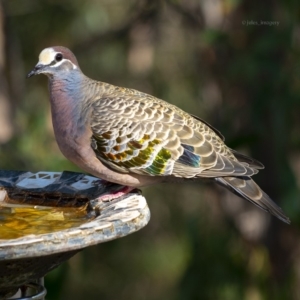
(131, 138)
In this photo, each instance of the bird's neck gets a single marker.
(68, 104)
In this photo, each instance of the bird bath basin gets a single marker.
(47, 217)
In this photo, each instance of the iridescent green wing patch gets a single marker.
(139, 156)
(160, 163)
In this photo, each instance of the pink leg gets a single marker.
(114, 195)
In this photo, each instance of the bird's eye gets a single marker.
(58, 57)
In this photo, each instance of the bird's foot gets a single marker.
(117, 194)
(96, 205)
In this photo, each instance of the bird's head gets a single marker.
(55, 60)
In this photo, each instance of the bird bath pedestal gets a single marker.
(47, 217)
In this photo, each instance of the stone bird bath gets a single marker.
(47, 217)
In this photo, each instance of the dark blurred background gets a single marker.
(217, 59)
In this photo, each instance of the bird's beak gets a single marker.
(36, 70)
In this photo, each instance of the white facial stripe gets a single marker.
(61, 62)
(47, 56)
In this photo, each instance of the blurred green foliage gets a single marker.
(204, 56)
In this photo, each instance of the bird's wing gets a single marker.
(141, 134)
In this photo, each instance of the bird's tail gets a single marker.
(246, 188)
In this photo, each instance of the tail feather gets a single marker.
(246, 188)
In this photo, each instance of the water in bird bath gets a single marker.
(20, 220)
